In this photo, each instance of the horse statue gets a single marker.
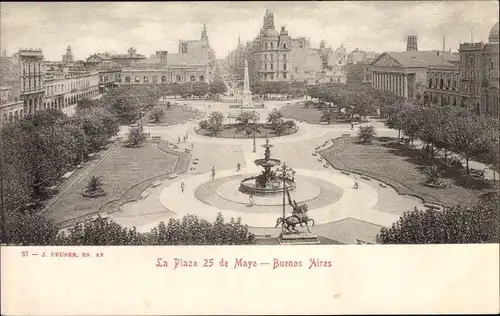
(290, 222)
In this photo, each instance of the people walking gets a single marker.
(352, 125)
(250, 200)
(238, 166)
(356, 185)
(184, 139)
(213, 172)
(182, 186)
(178, 139)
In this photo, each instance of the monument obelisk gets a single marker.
(246, 94)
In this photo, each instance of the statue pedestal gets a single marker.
(298, 239)
(246, 99)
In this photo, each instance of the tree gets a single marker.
(274, 117)
(135, 137)
(217, 87)
(244, 118)
(95, 184)
(366, 134)
(215, 120)
(85, 105)
(26, 229)
(157, 114)
(456, 225)
(127, 106)
(280, 127)
(203, 124)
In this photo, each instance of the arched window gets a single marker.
(331, 79)
(193, 78)
(284, 56)
(21, 113)
(145, 79)
(155, 79)
(441, 81)
(163, 79)
(11, 117)
(284, 45)
(16, 115)
(272, 45)
(448, 84)
(127, 79)
(265, 45)
(430, 83)
(338, 79)
(202, 78)
(178, 77)
(5, 118)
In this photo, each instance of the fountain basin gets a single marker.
(250, 186)
(271, 162)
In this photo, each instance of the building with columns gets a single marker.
(405, 73)
(11, 109)
(63, 90)
(479, 75)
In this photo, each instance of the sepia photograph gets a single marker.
(249, 124)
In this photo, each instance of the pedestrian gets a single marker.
(184, 139)
(355, 185)
(238, 166)
(352, 125)
(213, 172)
(178, 139)
(186, 135)
(250, 200)
(182, 186)
(192, 146)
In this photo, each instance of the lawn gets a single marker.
(401, 167)
(236, 131)
(121, 170)
(310, 114)
(174, 115)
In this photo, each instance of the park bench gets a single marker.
(345, 172)
(346, 134)
(173, 175)
(365, 178)
(383, 185)
(144, 195)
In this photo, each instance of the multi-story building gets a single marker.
(65, 89)
(11, 108)
(479, 75)
(195, 62)
(360, 72)
(109, 78)
(405, 73)
(443, 85)
(31, 80)
(275, 56)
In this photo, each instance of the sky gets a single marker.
(90, 27)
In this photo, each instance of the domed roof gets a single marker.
(494, 37)
(270, 33)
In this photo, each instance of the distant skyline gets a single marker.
(90, 27)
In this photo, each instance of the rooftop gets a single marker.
(422, 58)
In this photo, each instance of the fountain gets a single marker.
(269, 182)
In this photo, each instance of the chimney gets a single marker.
(411, 43)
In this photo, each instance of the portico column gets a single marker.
(399, 85)
(405, 86)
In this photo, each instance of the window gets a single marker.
(284, 66)
(272, 56)
(284, 56)
(272, 76)
(296, 70)
(284, 45)
(448, 84)
(441, 84)
(272, 45)
(178, 77)
(272, 66)
(331, 79)
(193, 78)
(155, 79)
(338, 79)
(284, 75)
(265, 66)
(265, 45)
(202, 78)
(145, 79)
(430, 83)
(137, 79)
(163, 79)
(265, 56)
(471, 60)
(127, 79)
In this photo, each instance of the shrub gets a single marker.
(203, 124)
(366, 134)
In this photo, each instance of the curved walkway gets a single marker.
(353, 203)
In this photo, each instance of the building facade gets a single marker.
(479, 75)
(276, 56)
(66, 89)
(404, 74)
(109, 78)
(31, 79)
(443, 85)
(11, 109)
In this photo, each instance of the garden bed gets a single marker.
(239, 132)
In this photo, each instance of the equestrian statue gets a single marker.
(299, 216)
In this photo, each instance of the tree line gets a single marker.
(451, 129)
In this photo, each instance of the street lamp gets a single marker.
(287, 173)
